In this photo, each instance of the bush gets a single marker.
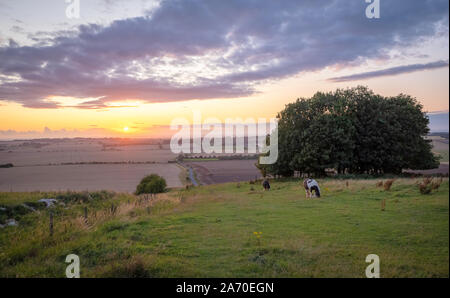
(83, 197)
(151, 184)
(16, 212)
(101, 195)
(36, 205)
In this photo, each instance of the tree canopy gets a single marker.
(352, 131)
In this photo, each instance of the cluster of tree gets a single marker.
(352, 131)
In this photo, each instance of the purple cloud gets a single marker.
(391, 71)
(195, 49)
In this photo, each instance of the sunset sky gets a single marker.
(139, 64)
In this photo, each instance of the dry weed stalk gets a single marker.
(387, 184)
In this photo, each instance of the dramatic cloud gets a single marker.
(391, 71)
(193, 49)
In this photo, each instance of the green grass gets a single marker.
(208, 231)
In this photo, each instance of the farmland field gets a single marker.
(440, 147)
(220, 171)
(119, 164)
(83, 164)
(26, 153)
(116, 177)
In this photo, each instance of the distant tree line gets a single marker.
(352, 131)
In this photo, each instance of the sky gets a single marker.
(128, 68)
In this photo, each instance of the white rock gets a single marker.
(48, 202)
(10, 223)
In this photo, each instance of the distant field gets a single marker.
(220, 171)
(42, 164)
(208, 231)
(82, 152)
(441, 147)
(443, 155)
(120, 177)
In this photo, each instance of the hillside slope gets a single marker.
(209, 231)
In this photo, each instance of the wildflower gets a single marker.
(257, 234)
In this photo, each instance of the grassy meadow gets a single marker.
(235, 230)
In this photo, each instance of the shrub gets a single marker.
(151, 184)
(84, 197)
(16, 212)
(36, 205)
(73, 197)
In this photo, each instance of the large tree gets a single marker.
(354, 131)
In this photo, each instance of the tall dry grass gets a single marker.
(429, 184)
(388, 184)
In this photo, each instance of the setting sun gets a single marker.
(125, 129)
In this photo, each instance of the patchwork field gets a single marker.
(119, 164)
(113, 164)
(212, 231)
(220, 171)
(115, 177)
(441, 147)
(26, 153)
(84, 164)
